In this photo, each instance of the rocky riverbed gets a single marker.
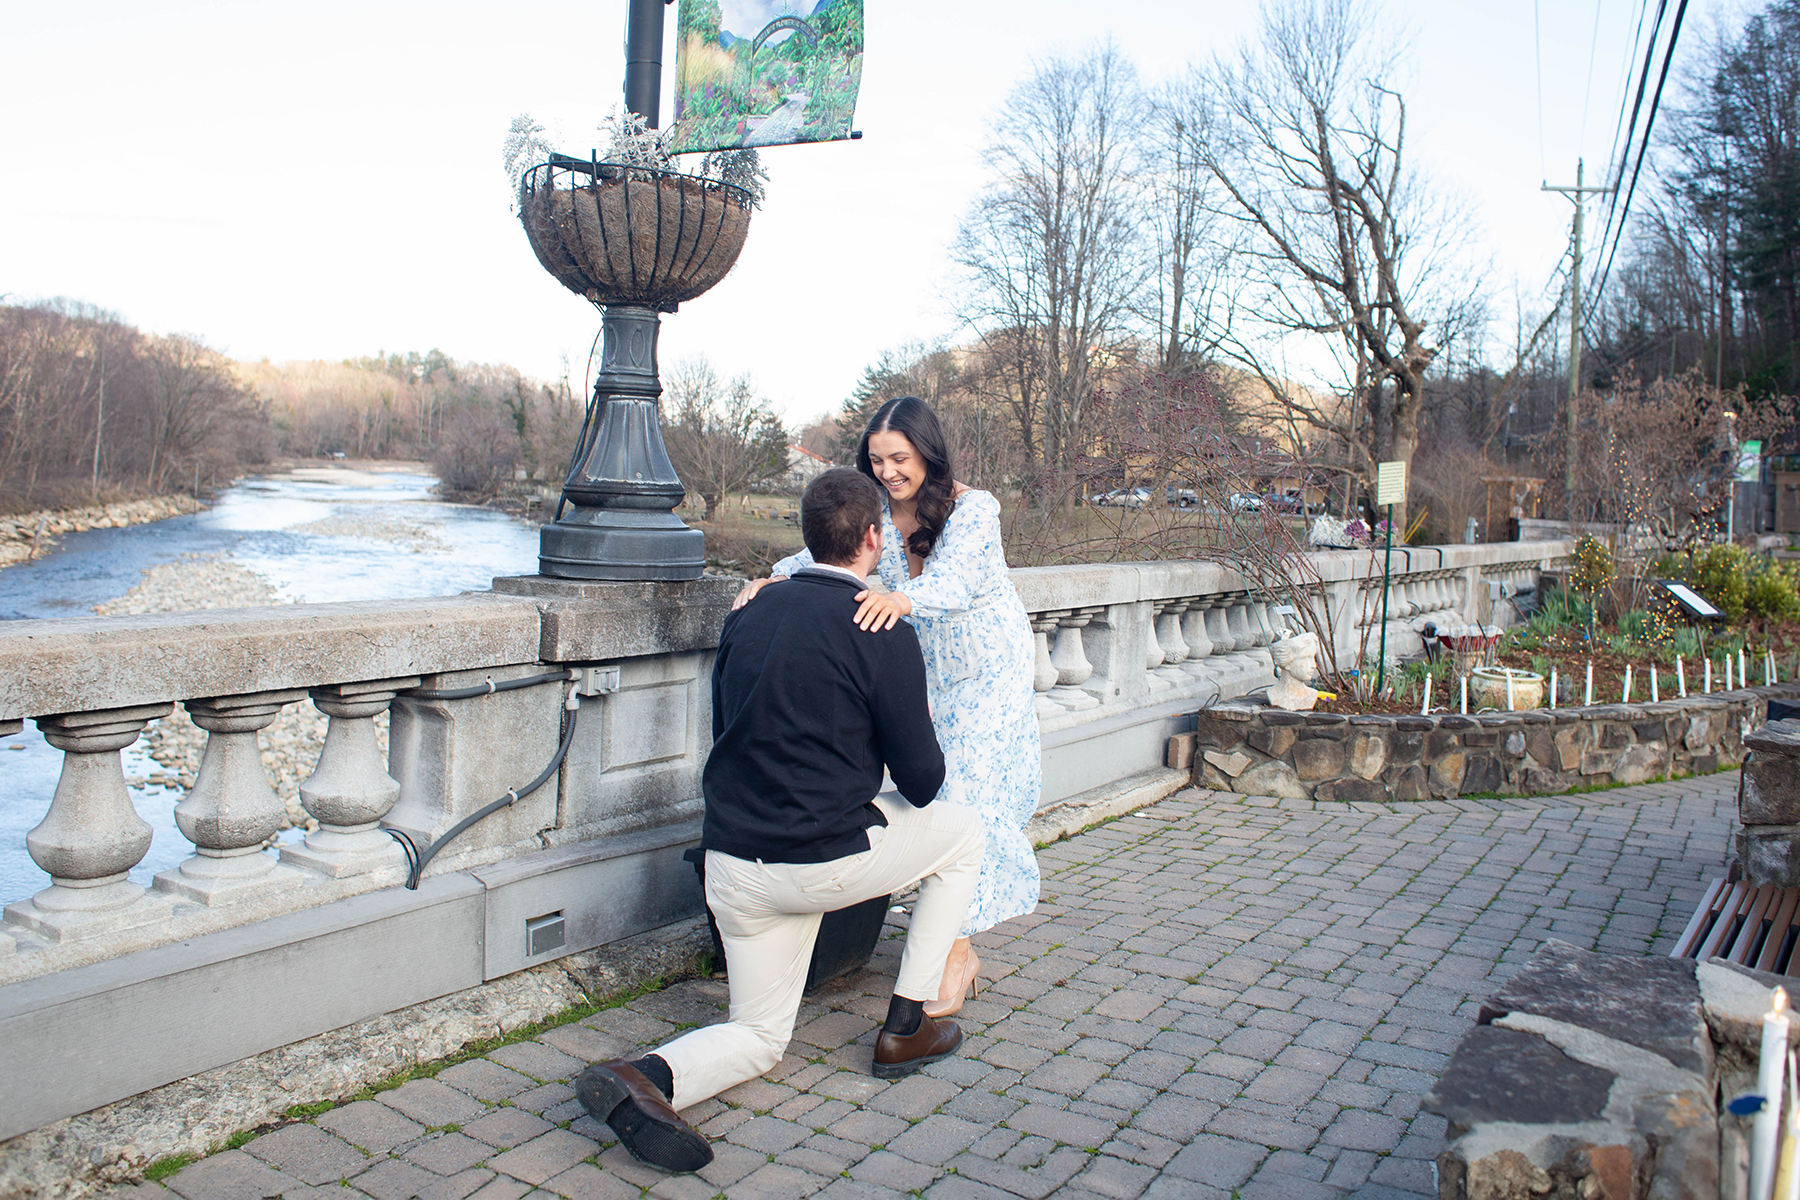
(24, 536)
(290, 746)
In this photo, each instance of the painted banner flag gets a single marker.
(765, 72)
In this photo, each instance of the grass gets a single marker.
(164, 1167)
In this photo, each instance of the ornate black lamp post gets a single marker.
(637, 241)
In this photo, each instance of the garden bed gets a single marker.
(1370, 757)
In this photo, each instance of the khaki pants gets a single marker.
(768, 916)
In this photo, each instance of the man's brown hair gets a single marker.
(836, 510)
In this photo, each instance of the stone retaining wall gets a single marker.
(1261, 751)
(1768, 837)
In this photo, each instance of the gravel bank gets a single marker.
(27, 535)
(290, 746)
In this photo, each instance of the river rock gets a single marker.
(1641, 762)
(1368, 755)
(1275, 779)
(1232, 764)
(1318, 758)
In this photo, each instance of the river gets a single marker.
(315, 535)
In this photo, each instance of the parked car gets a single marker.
(1244, 502)
(1289, 501)
(1182, 497)
(1136, 497)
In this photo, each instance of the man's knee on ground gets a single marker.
(767, 1052)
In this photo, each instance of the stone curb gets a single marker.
(83, 1155)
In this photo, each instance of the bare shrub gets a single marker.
(478, 453)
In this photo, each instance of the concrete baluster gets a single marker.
(1199, 642)
(350, 790)
(1262, 625)
(1044, 675)
(231, 809)
(1153, 651)
(1218, 630)
(1070, 660)
(1168, 631)
(1238, 620)
(92, 836)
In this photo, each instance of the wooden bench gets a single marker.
(1748, 924)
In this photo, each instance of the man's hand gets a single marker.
(881, 609)
(750, 589)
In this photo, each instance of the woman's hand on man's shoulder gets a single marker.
(748, 592)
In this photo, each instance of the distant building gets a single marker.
(803, 466)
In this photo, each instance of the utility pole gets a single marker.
(1572, 447)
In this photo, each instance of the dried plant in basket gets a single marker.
(632, 235)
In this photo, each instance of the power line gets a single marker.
(1617, 157)
(1643, 147)
(1587, 94)
(1538, 42)
(1614, 151)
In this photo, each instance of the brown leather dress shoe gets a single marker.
(896, 1056)
(617, 1093)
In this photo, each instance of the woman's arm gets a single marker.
(966, 548)
(793, 562)
(779, 572)
(968, 543)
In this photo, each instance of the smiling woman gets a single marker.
(946, 575)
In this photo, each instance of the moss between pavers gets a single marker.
(162, 1168)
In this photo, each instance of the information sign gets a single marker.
(1390, 483)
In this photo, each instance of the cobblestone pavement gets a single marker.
(1219, 995)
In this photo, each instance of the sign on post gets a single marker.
(1749, 463)
(1390, 483)
(765, 72)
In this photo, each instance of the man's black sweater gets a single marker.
(807, 709)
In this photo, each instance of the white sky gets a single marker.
(323, 180)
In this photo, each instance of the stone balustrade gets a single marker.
(1112, 640)
(1125, 656)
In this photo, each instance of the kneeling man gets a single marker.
(807, 711)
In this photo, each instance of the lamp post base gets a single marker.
(621, 544)
(622, 492)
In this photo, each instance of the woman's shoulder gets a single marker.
(976, 502)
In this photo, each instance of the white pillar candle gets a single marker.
(1587, 695)
(1709, 676)
(1655, 696)
(1771, 1066)
(1727, 673)
(1425, 707)
(1465, 695)
(1509, 689)
(1625, 690)
(1768, 668)
(1680, 677)
(1552, 687)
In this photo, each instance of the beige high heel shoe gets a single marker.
(950, 998)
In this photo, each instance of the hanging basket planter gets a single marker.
(632, 235)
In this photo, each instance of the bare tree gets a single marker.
(721, 437)
(1052, 245)
(1186, 239)
(1306, 135)
(193, 396)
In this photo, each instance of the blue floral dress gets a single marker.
(979, 655)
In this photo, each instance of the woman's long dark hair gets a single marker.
(913, 419)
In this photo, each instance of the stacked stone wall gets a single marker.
(1261, 751)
